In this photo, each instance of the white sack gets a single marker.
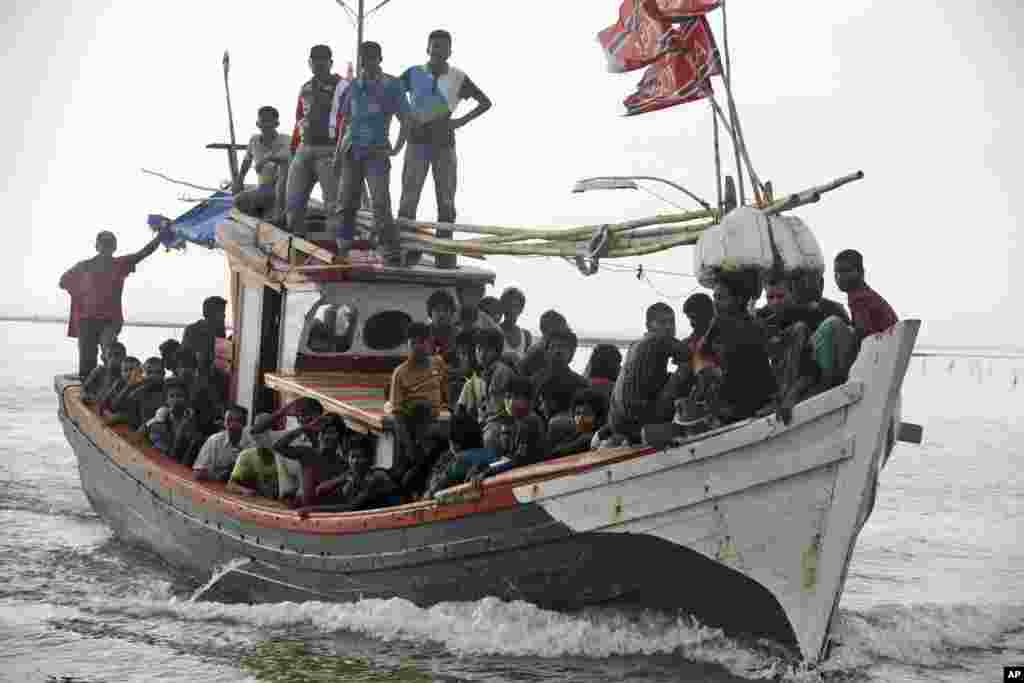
(740, 242)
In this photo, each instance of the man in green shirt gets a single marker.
(254, 474)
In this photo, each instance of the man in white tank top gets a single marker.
(435, 90)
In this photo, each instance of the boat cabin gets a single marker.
(334, 332)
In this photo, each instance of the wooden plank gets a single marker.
(280, 241)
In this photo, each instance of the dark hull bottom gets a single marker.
(564, 571)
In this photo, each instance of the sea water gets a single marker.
(935, 589)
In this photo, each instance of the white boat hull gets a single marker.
(779, 504)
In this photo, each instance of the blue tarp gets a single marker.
(198, 224)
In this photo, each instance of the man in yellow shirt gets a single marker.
(419, 392)
(254, 474)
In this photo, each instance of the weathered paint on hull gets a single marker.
(532, 558)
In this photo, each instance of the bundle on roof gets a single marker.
(748, 239)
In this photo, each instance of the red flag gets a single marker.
(678, 9)
(681, 76)
(639, 37)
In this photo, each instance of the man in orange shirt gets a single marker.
(419, 392)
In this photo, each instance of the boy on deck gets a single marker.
(870, 312)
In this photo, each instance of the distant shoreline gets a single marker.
(925, 350)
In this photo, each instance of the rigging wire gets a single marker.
(379, 5)
(658, 196)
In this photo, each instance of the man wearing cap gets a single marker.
(317, 122)
(365, 151)
(96, 286)
(268, 153)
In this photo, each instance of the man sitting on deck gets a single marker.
(419, 392)
(533, 362)
(218, 455)
(643, 393)
(268, 154)
(517, 339)
(323, 464)
(810, 339)
(200, 337)
(589, 413)
(440, 311)
(522, 439)
(556, 374)
(363, 486)
(470, 317)
(870, 312)
(254, 473)
(104, 376)
(307, 411)
(172, 430)
(137, 404)
(131, 376)
(486, 398)
(742, 349)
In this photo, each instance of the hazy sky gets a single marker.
(924, 99)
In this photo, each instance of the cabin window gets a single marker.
(386, 330)
(331, 328)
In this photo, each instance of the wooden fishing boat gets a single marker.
(750, 527)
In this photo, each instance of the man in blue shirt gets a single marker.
(365, 151)
(435, 90)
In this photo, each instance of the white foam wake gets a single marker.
(923, 636)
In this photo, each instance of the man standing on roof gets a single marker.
(365, 151)
(435, 89)
(96, 286)
(317, 122)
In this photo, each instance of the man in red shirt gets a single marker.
(95, 286)
(870, 312)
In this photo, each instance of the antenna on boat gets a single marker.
(236, 181)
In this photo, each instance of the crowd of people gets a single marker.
(341, 140)
(477, 395)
